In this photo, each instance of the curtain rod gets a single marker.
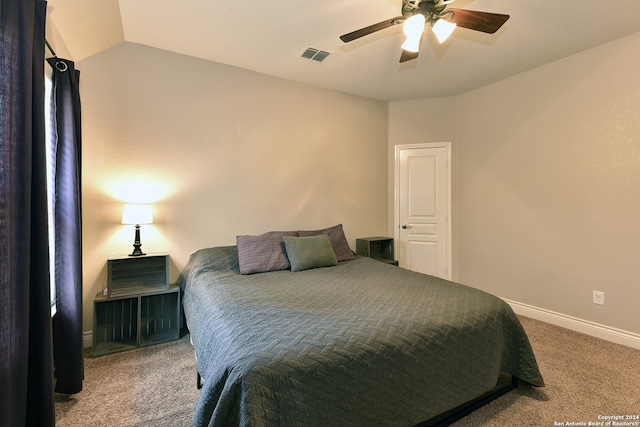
(50, 48)
(61, 65)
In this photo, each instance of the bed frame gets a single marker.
(506, 383)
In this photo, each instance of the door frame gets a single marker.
(396, 197)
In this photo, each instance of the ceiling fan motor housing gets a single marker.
(431, 9)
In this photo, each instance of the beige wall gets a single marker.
(219, 151)
(77, 29)
(547, 192)
(545, 168)
(419, 122)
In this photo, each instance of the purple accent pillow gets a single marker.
(266, 252)
(338, 241)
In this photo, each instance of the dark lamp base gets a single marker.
(137, 252)
(136, 243)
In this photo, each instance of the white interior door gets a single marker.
(423, 203)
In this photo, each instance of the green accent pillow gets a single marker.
(309, 252)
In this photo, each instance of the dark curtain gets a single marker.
(26, 376)
(66, 140)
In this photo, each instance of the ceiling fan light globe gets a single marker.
(414, 26)
(411, 44)
(413, 29)
(443, 29)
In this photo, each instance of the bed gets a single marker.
(355, 343)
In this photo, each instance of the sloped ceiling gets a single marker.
(268, 37)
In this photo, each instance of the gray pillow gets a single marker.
(338, 241)
(309, 252)
(266, 252)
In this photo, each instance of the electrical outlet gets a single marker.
(598, 297)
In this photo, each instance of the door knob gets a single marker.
(404, 226)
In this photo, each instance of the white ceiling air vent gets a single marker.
(315, 54)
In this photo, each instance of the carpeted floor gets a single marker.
(586, 379)
(150, 386)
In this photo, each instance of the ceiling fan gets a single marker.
(416, 14)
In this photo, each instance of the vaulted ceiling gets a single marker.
(269, 36)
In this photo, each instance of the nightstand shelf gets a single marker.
(135, 320)
(127, 274)
(378, 248)
(159, 317)
(115, 324)
(136, 316)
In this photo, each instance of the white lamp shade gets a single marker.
(137, 214)
(413, 29)
(443, 29)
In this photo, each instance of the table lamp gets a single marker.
(136, 215)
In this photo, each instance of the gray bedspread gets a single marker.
(359, 344)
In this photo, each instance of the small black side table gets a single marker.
(378, 248)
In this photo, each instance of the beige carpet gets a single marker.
(155, 386)
(151, 386)
(585, 377)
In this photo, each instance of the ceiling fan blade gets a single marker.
(408, 56)
(479, 21)
(371, 29)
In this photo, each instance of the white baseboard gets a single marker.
(618, 336)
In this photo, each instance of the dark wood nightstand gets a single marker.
(378, 248)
